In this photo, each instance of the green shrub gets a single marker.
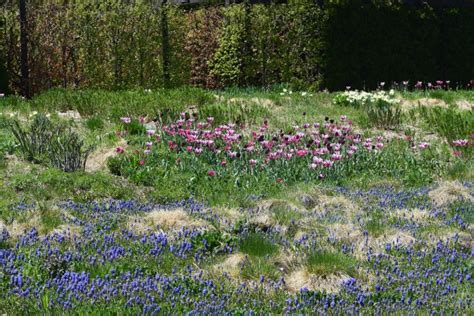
(226, 64)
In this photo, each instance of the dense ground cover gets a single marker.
(237, 201)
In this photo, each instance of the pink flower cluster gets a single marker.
(319, 145)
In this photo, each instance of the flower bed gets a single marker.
(308, 151)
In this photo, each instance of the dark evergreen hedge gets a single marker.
(368, 43)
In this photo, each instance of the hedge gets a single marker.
(113, 44)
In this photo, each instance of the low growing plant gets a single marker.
(383, 114)
(67, 152)
(34, 142)
(44, 141)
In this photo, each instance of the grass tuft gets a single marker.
(258, 245)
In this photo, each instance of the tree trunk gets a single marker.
(25, 84)
(165, 45)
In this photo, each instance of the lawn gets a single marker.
(242, 201)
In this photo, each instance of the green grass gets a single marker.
(398, 166)
(284, 213)
(95, 123)
(50, 218)
(256, 267)
(325, 262)
(101, 111)
(375, 223)
(451, 123)
(257, 245)
(109, 104)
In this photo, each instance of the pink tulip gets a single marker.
(301, 152)
(211, 173)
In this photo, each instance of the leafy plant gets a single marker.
(383, 114)
(48, 142)
(226, 64)
(34, 142)
(67, 152)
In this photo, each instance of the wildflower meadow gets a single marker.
(287, 158)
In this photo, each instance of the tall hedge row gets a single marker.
(366, 44)
(116, 44)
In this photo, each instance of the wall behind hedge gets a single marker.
(115, 44)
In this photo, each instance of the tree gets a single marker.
(25, 84)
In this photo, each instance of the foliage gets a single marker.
(48, 142)
(115, 44)
(34, 143)
(384, 115)
(450, 123)
(227, 63)
(201, 44)
(67, 152)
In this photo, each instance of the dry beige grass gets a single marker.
(448, 192)
(16, 228)
(346, 232)
(465, 105)
(231, 265)
(165, 219)
(74, 115)
(299, 279)
(97, 160)
(67, 229)
(416, 215)
(406, 105)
